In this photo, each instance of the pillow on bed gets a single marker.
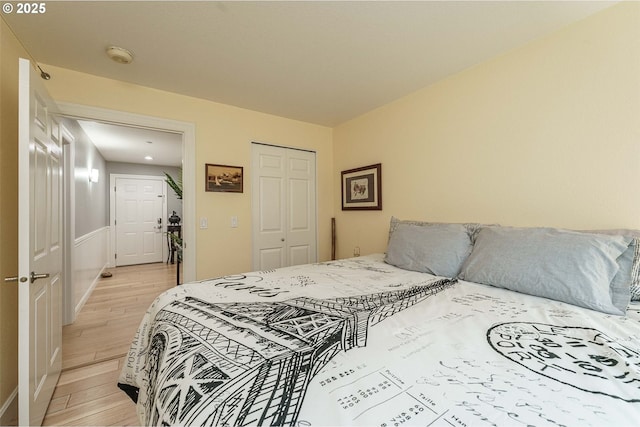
(635, 273)
(472, 228)
(587, 270)
(635, 268)
(438, 249)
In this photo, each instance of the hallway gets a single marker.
(95, 345)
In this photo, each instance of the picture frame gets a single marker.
(223, 178)
(362, 188)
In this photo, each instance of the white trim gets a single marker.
(91, 255)
(112, 211)
(24, 252)
(90, 235)
(9, 409)
(69, 224)
(188, 131)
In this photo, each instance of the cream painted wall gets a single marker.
(10, 51)
(546, 135)
(223, 135)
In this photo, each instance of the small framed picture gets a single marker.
(223, 178)
(362, 188)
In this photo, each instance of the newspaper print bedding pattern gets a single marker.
(360, 342)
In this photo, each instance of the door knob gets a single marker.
(282, 240)
(35, 276)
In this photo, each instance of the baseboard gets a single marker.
(9, 410)
(87, 294)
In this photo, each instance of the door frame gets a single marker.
(69, 222)
(188, 131)
(112, 211)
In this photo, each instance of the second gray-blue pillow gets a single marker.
(587, 270)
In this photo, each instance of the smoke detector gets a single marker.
(119, 55)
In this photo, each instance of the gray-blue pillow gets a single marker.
(621, 288)
(635, 273)
(635, 266)
(471, 227)
(576, 268)
(438, 249)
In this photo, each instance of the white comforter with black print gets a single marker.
(359, 342)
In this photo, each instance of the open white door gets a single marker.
(39, 249)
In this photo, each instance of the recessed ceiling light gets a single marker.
(149, 142)
(148, 158)
(119, 54)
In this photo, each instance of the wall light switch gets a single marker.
(204, 222)
(234, 221)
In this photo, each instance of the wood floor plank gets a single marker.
(58, 404)
(68, 389)
(78, 374)
(122, 414)
(70, 414)
(79, 359)
(95, 345)
(93, 393)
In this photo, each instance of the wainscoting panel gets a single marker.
(90, 259)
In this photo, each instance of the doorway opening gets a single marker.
(186, 134)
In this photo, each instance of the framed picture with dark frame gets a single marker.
(362, 188)
(223, 178)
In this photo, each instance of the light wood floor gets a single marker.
(94, 346)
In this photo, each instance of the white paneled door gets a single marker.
(284, 207)
(39, 248)
(139, 220)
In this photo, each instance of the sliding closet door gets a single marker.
(284, 207)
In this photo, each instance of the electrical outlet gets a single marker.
(356, 251)
(204, 222)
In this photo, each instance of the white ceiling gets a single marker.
(131, 145)
(323, 62)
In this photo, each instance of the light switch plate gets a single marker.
(234, 222)
(204, 222)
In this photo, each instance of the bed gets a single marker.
(456, 325)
